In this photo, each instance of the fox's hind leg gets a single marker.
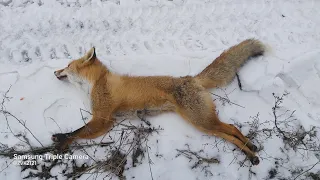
(232, 130)
(212, 126)
(251, 155)
(195, 105)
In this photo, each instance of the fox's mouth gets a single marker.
(59, 76)
(62, 77)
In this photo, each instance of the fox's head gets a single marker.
(87, 68)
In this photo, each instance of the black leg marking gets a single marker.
(239, 82)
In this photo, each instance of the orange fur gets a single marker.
(112, 94)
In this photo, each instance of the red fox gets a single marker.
(113, 94)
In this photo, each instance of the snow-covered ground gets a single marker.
(161, 37)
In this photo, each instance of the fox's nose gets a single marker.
(56, 73)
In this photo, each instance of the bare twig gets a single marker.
(227, 100)
(6, 166)
(22, 123)
(5, 97)
(199, 159)
(56, 123)
(115, 163)
(7, 113)
(307, 170)
(149, 160)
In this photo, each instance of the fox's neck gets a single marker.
(85, 87)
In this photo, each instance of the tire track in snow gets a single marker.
(119, 30)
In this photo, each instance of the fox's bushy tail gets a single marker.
(224, 68)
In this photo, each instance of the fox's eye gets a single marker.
(68, 65)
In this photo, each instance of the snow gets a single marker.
(148, 37)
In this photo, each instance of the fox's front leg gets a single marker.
(95, 128)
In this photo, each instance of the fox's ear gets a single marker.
(90, 56)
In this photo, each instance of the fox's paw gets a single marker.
(61, 142)
(254, 160)
(59, 137)
(254, 148)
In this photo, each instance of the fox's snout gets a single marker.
(59, 74)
